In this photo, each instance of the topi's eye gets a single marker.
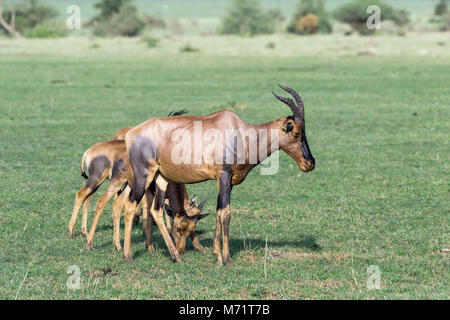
(288, 126)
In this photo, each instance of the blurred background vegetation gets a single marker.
(155, 19)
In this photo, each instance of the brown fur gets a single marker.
(112, 151)
(157, 133)
(120, 135)
(115, 151)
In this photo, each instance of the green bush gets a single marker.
(400, 17)
(117, 18)
(108, 8)
(441, 8)
(188, 48)
(246, 17)
(151, 41)
(355, 14)
(306, 7)
(308, 24)
(155, 22)
(29, 15)
(270, 45)
(46, 30)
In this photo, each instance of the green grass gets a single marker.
(377, 125)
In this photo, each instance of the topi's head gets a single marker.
(185, 222)
(293, 135)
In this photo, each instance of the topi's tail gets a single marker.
(178, 113)
(83, 173)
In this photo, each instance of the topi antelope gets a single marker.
(99, 159)
(155, 156)
(104, 161)
(184, 213)
(183, 224)
(110, 160)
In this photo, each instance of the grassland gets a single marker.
(377, 125)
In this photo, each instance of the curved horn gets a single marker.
(297, 98)
(298, 111)
(287, 101)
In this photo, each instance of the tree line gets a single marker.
(31, 18)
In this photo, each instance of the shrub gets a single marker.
(151, 41)
(117, 18)
(188, 48)
(30, 14)
(155, 22)
(441, 8)
(126, 22)
(355, 14)
(46, 30)
(246, 17)
(270, 45)
(305, 8)
(108, 8)
(400, 17)
(308, 24)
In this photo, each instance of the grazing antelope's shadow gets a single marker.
(106, 227)
(237, 244)
(304, 241)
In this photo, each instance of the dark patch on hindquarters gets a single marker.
(118, 169)
(225, 187)
(96, 169)
(142, 152)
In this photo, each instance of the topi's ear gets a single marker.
(194, 199)
(201, 205)
(169, 211)
(288, 126)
